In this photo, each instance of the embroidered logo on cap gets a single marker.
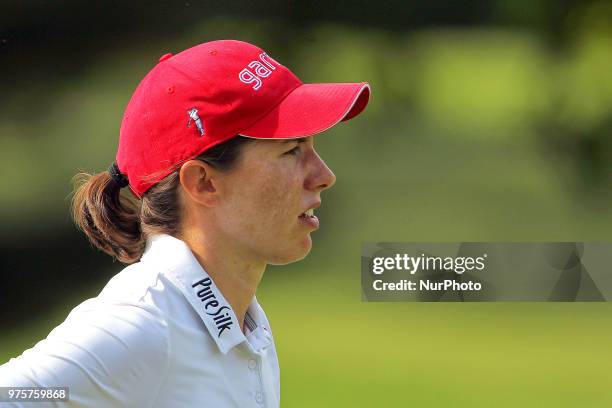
(221, 317)
(193, 116)
(261, 71)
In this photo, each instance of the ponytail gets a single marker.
(109, 218)
(118, 223)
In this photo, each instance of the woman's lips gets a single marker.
(310, 220)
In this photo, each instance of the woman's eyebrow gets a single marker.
(300, 140)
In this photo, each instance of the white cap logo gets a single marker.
(259, 70)
(193, 116)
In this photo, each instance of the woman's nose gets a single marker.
(321, 176)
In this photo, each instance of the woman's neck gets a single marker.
(236, 277)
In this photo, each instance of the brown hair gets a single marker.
(117, 223)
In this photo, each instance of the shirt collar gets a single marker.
(179, 264)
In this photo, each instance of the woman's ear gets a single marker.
(198, 182)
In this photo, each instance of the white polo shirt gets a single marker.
(160, 334)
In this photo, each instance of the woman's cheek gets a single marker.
(273, 204)
(275, 195)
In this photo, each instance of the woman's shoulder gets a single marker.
(125, 306)
(111, 353)
(134, 284)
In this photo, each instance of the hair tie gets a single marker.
(117, 176)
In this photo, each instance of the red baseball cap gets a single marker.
(212, 92)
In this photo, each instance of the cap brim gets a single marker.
(310, 109)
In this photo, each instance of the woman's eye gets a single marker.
(293, 151)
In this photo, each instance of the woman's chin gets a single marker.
(297, 253)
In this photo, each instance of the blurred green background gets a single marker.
(489, 121)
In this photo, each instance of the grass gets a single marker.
(336, 351)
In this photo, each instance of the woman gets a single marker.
(216, 147)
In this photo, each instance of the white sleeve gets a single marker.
(108, 355)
